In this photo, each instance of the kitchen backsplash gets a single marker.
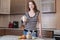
(5, 19)
(48, 20)
(16, 18)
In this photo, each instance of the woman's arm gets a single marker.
(39, 25)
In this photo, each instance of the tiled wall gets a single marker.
(4, 20)
(49, 20)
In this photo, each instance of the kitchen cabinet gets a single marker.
(17, 6)
(11, 32)
(13, 6)
(4, 6)
(2, 32)
(47, 34)
(48, 6)
(19, 32)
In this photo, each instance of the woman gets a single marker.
(33, 17)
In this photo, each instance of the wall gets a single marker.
(49, 20)
(58, 13)
(5, 19)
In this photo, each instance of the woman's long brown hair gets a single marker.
(35, 7)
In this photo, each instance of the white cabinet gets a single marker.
(48, 6)
(4, 6)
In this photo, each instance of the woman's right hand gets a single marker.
(24, 20)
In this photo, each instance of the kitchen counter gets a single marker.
(19, 31)
(46, 29)
(49, 29)
(39, 39)
(13, 37)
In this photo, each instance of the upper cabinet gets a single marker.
(17, 6)
(48, 6)
(13, 6)
(4, 6)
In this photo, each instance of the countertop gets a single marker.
(12, 37)
(46, 29)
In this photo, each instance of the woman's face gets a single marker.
(31, 5)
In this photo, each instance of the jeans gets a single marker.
(25, 32)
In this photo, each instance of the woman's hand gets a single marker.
(24, 18)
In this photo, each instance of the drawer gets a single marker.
(13, 32)
(2, 32)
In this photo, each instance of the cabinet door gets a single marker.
(2, 32)
(17, 6)
(4, 6)
(13, 32)
(47, 34)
